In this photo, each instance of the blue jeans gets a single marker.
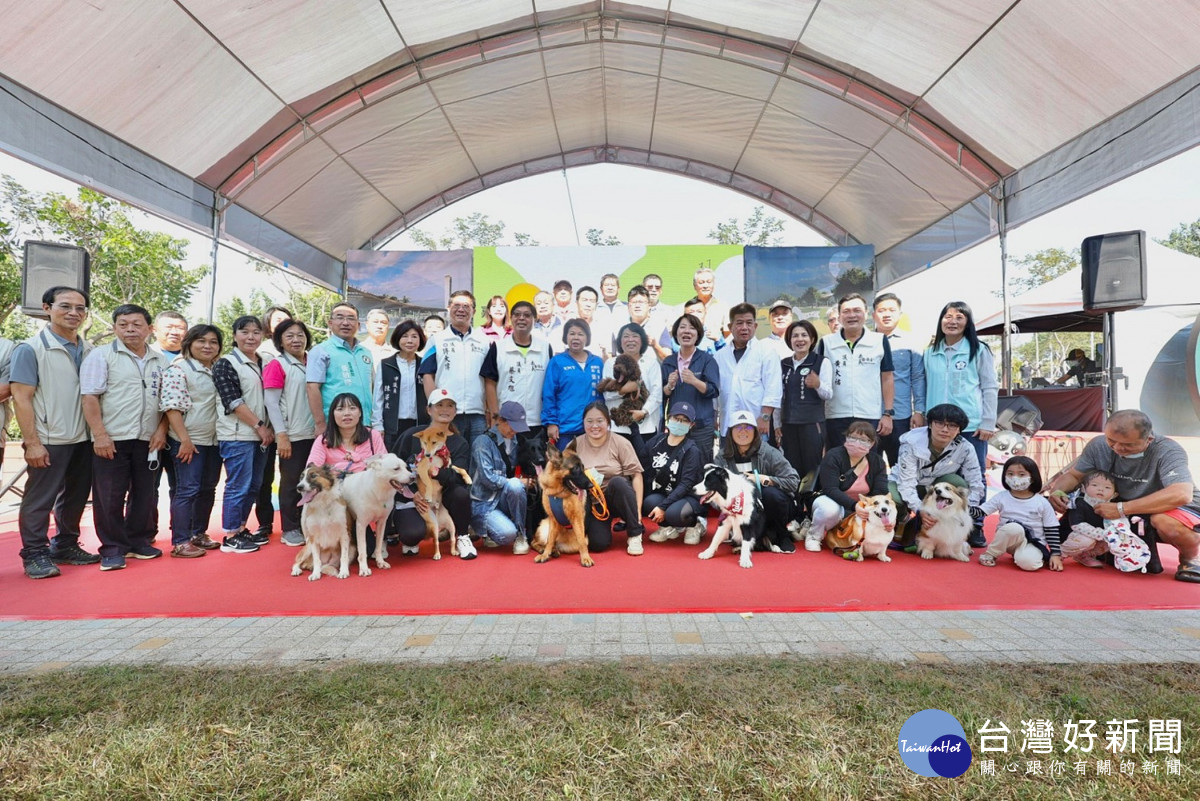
(244, 463)
(980, 447)
(471, 426)
(503, 522)
(195, 491)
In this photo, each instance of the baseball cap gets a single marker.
(742, 418)
(683, 408)
(778, 303)
(514, 414)
(439, 395)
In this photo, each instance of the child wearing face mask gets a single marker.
(1092, 536)
(1028, 525)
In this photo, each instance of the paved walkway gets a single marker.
(923, 637)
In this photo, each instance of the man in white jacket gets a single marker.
(751, 380)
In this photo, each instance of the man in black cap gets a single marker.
(497, 497)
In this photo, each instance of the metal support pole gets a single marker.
(1006, 338)
(1110, 364)
(216, 240)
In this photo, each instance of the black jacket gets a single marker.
(836, 476)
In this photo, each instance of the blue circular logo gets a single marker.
(933, 743)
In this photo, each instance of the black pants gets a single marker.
(891, 443)
(264, 504)
(124, 489)
(777, 505)
(681, 514)
(622, 503)
(63, 488)
(290, 470)
(704, 436)
(409, 524)
(803, 446)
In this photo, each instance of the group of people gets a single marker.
(645, 394)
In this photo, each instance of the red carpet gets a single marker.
(668, 578)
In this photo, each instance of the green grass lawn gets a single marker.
(739, 728)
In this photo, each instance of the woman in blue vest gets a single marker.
(960, 369)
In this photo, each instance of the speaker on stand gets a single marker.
(47, 265)
(1114, 279)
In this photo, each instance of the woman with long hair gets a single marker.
(190, 401)
(348, 441)
(746, 453)
(960, 369)
(287, 408)
(495, 314)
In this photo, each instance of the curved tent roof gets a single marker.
(315, 126)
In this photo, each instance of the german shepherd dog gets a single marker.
(531, 460)
(564, 485)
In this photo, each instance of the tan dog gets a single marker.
(370, 496)
(947, 537)
(563, 482)
(433, 458)
(326, 522)
(854, 538)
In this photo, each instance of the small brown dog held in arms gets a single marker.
(854, 538)
(564, 497)
(433, 458)
(325, 521)
(627, 382)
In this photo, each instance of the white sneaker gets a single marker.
(466, 550)
(812, 544)
(488, 542)
(693, 534)
(665, 533)
(800, 530)
(634, 547)
(410, 550)
(520, 546)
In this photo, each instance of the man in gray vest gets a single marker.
(45, 390)
(120, 383)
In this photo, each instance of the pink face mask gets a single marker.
(856, 449)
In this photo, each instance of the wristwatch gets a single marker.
(261, 424)
(889, 412)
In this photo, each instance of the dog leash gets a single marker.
(600, 513)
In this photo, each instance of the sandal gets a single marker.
(1189, 571)
(987, 560)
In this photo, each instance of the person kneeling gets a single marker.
(674, 467)
(620, 476)
(848, 471)
(498, 498)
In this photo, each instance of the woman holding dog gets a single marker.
(243, 433)
(745, 452)
(634, 343)
(850, 470)
(189, 400)
(620, 473)
(692, 376)
(399, 392)
(674, 467)
(287, 408)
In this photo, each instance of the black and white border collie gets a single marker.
(740, 503)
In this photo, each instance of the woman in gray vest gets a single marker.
(243, 433)
(287, 408)
(189, 400)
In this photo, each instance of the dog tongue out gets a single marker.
(306, 497)
(942, 503)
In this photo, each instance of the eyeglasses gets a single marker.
(868, 443)
(344, 318)
(66, 307)
(652, 287)
(943, 424)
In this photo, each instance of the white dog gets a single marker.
(369, 495)
(324, 520)
(947, 537)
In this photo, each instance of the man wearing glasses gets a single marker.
(453, 362)
(58, 451)
(340, 364)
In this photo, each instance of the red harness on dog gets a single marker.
(737, 505)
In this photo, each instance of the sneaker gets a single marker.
(488, 542)
(144, 551)
(786, 545)
(112, 562)
(410, 550)
(693, 534)
(665, 533)
(206, 542)
(520, 546)
(1087, 560)
(187, 550)
(812, 544)
(259, 538)
(466, 550)
(40, 566)
(72, 555)
(238, 543)
(295, 538)
(634, 546)
(800, 532)
(620, 525)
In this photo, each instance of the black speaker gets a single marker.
(1018, 413)
(51, 264)
(1114, 272)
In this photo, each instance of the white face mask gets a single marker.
(1018, 483)
(1141, 455)
(678, 429)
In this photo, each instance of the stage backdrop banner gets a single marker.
(499, 270)
(409, 284)
(810, 279)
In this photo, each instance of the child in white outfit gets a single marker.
(1028, 525)
(1092, 536)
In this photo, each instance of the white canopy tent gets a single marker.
(304, 128)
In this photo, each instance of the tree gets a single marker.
(307, 302)
(1043, 266)
(128, 264)
(853, 279)
(596, 236)
(1185, 238)
(474, 231)
(1045, 352)
(760, 229)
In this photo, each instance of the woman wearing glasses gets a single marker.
(847, 472)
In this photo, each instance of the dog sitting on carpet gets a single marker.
(948, 506)
(433, 458)
(854, 538)
(740, 503)
(325, 521)
(564, 485)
